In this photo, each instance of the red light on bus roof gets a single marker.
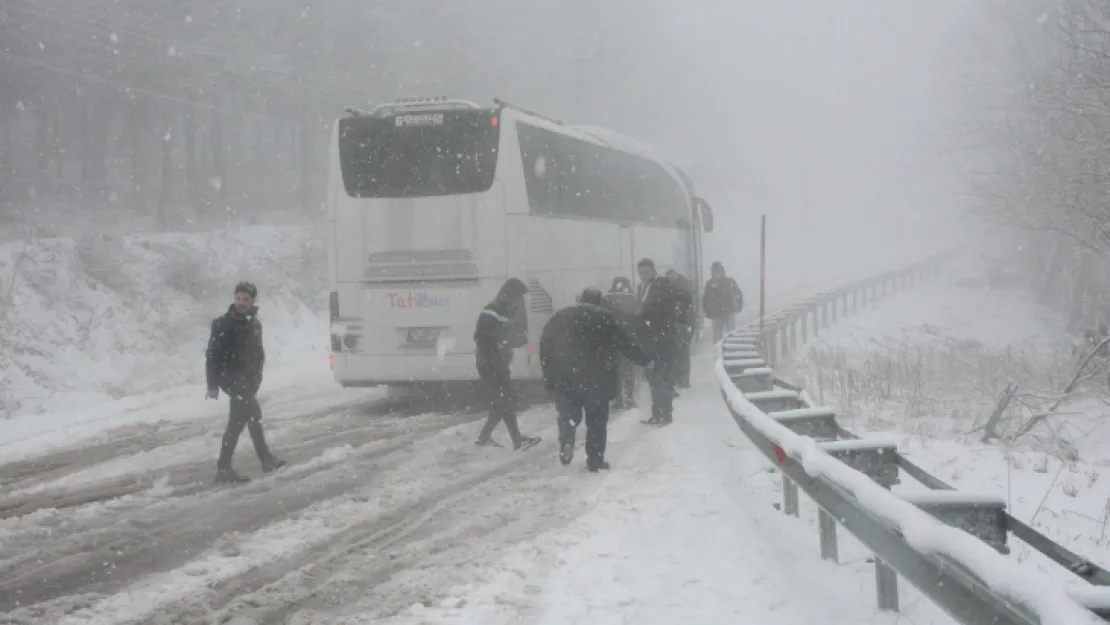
(494, 121)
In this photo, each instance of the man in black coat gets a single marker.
(722, 300)
(659, 316)
(234, 362)
(621, 301)
(684, 294)
(495, 337)
(578, 352)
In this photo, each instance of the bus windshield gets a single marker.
(419, 155)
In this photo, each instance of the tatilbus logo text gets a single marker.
(417, 300)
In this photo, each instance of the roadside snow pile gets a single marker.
(99, 318)
(931, 365)
(934, 360)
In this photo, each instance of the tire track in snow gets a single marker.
(517, 497)
(148, 535)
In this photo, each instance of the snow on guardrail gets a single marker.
(1047, 600)
(964, 574)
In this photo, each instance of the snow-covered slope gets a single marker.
(93, 319)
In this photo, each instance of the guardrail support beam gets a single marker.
(789, 496)
(886, 586)
(827, 530)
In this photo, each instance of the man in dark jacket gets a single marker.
(578, 352)
(722, 301)
(621, 301)
(234, 362)
(684, 294)
(495, 337)
(659, 309)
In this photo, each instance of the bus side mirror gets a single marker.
(705, 211)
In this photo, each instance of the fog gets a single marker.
(825, 112)
(161, 118)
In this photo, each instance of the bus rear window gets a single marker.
(448, 155)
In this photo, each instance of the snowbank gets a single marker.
(96, 319)
(957, 307)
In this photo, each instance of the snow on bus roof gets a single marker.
(625, 143)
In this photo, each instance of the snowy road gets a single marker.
(378, 513)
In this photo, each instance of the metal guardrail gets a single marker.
(947, 544)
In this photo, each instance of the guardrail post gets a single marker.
(827, 529)
(789, 496)
(886, 586)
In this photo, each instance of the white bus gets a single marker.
(433, 204)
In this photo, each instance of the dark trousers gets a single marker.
(245, 412)
(661, 379)
(502, 404)
(626, 395)
(682, 364)
(571, 409)
(720, 326)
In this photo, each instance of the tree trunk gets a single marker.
(42, 140)
(219, 164)
(137, 130)
(165, 194)
(59, 153)
(305, 163)
(192, 175)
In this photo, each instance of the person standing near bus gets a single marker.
(684, 297)
(658, 316)
(493, 355)
(621, 301)
(722, 301)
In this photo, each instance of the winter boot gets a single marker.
(527, 442)
(273, 465)
(566, 453)
(229, 476)
(597, 465)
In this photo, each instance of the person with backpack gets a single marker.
(722, 301)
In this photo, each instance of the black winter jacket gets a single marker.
(492, 339)
(722, 298)
(235, 356)
(579, 349)
(661, 309)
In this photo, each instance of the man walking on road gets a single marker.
(234, 363)
(722, 301)
(579, 349)
(494, 340)
(659, 309)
